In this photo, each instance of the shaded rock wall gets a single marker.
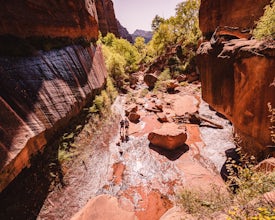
(48, 72)
(38, 96)
(238, 75)
(106, 17)
(241, 14)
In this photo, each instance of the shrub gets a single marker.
(162, 78)
(243, 197)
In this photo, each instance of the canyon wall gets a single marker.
(106, 17)
(48, 72)
(238, 78)
(226, 13)
(30, 18)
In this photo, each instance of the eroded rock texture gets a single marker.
(238, 14)
(238, 80)
(48, 72)
(73, 19)
(38, 96)
(106, 17)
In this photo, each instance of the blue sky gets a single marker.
(138, 14)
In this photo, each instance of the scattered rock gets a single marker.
(192, 77)
(171, 86)
(133, 108)
(103, 207)
(133, 80)
(150, 80)
(134, 117)
(169, 136)
(162, 117)
(118, 169)
(159, 106)
(181, 78)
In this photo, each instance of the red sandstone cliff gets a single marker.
(41, 91)
(238, 75)
(106, 17)
(240, 14)
(50, 18)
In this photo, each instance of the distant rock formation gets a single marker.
(48, 72)
(123, 32)
(147, 35)
(238, 74)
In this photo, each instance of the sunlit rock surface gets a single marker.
(169, 136)
(38, 96)
(70, 19)
(103, 207)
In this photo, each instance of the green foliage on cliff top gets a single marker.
(266, 25)
(181, 28)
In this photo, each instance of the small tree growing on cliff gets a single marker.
(266, 25)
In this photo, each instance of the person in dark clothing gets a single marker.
(122, 128)
(126, 124)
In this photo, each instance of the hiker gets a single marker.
(122, 128)
(126, 124)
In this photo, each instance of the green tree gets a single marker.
(157, 21)
(266, 25)
(181, 28)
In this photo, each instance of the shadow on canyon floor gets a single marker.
(170, 154)
(25, 196)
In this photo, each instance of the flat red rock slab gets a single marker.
(148, 204)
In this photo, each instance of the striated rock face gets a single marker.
(106, 17)
(41, 91)
(70, 19)
(38, 96)
(220, 13)
(237, 75)
(238, 80)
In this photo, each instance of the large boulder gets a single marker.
(150, 80)
(169, 136)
